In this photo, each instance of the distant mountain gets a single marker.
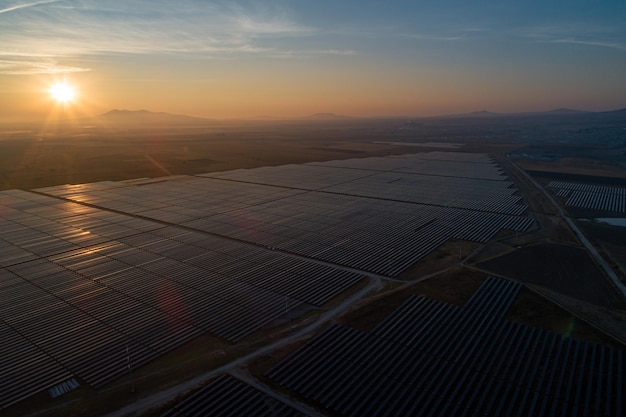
(475, 114)
(483, 113)
(613, 113)
(564, 111)
(488, 114)
(326, 116)
(145, 116)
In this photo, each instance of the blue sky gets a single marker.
(283, 58)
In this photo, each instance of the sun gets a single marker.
(62, 92)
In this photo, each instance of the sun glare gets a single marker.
(62, 92)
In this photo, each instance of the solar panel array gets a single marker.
(434, 359)
(470, 185)
(447, 164)
(25, 369)
(89, 272)
(594, 197)
(451, 156)
(79, 285)
(372, 214)
(226, 396)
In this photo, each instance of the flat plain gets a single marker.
(149, 177)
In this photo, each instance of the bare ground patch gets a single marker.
(564, 269)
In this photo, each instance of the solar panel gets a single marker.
(226, 395)
(431, 358)
(595, 197)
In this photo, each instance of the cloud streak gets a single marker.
(601, 44)
(30, 67)
(453, 35)
(26, 5)
(39, 36)
(67, 29)
(312, 53)
(593, 36)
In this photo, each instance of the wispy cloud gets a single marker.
(341, 52)
(585, 35)
(59, 30)
(28, 67)
(432, 37)
(311, 53)
(452, 35)
(26, 5)
(601, 44)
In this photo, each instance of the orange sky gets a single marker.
(283, 60)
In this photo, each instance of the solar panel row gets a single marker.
(494, 297)
(429, 358)
(575, 186)
(595, 197)
(297, 177)
(456, 169)
(596, 201)
(24, 368)
(71, 337)
(310, 177)
(226, 396)
(562, 192)
(449, 164)
(453, 156)
(464, 193)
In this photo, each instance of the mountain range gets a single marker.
(161, 118)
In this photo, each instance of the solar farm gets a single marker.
(379, 215)
(588, 196)
(98, 277)
(430, 358)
